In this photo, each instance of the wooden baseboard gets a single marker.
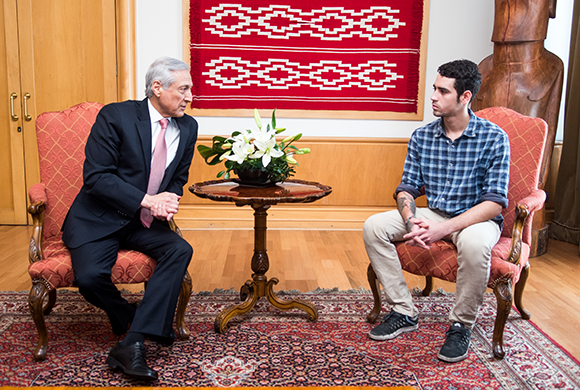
(549, 215)
(288, 217)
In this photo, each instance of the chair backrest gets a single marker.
(527, 143)
(61, 138)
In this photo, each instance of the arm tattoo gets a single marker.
(406, 200)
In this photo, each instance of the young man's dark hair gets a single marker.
(466, 75)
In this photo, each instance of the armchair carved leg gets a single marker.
(40, 302)
(503, 293)
(428, 286)
(520, 285)
(376, 289)
(184, 294)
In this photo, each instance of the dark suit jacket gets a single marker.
(116, 171)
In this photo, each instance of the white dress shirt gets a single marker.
(171, 133)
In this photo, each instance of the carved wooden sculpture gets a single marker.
(522, 75)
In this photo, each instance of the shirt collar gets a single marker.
(154, 115)
(470, 130)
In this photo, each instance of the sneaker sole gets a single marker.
(395, 334)
(453, 359)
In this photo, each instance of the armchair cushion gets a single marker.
(56, 268)
(441, 261)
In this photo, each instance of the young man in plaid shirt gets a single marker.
(462, 163)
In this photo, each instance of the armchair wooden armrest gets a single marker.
(531, 203)
(38, 200)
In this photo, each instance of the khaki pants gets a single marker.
(474, 245)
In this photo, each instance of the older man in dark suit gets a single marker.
(137, 161)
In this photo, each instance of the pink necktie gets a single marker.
(157, 170)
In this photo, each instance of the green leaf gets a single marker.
(274, 119)
(219, 139)
(206, 152)
(202, 149)
(214, 161)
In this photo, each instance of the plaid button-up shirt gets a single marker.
(460, 174)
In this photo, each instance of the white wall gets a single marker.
(457, 29)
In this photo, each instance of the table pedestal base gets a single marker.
(260, 199)
(260, 286)
(251, 292)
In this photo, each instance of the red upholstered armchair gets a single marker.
(509, 261)
(61, 137)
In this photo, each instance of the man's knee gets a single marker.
(183, 251)
(372, 228)
(381, 227)
(474, 251)
(90, 279)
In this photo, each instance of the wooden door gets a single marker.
(63, 53)
(12, 178)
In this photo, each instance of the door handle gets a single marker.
(27, 117)
(13, 96)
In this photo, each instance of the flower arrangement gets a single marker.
(256, 152)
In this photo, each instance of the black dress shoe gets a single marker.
(131, 360)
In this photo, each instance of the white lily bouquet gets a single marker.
(255, 153)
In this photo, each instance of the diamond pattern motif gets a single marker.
(61, 137)
(527, 139)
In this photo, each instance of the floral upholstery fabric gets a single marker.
(527, 139)
(61, 137)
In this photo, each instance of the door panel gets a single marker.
(12, 183)
(68, 56)
(60, 53)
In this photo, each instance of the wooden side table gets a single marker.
(260, 199)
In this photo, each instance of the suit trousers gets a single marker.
(474, 245)
(92, 265)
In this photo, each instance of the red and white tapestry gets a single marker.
(306, 55)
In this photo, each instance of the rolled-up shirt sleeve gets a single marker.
(496, 183)
(412, 180)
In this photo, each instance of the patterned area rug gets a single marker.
(268, 347)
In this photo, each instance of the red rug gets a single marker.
(268, 347)
(296, 54)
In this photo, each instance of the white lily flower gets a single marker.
(240, 150)
(266, 150)
(244, 137)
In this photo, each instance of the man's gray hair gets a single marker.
(162, 70)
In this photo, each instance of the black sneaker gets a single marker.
(456, 346)
(393, 325)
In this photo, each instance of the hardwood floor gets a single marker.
(307, 259)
